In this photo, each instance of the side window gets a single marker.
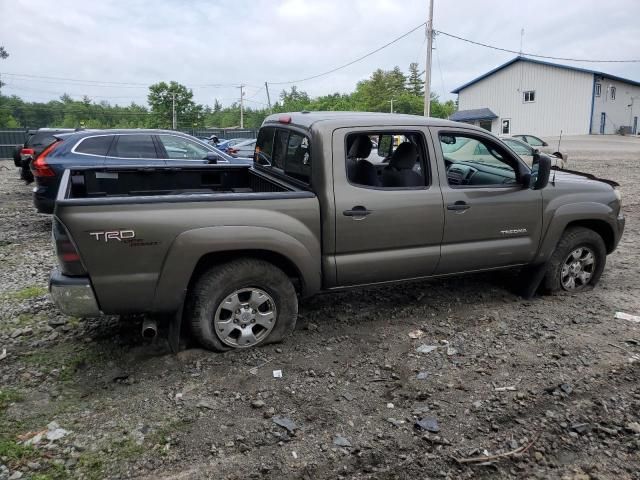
(279, 148)
(613, 93)
(95, 145)
(181, 148)
(134, 146)
(475, 161)
(398, 161)
(598, 89)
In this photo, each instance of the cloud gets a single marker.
(230, 42)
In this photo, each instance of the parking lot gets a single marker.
(545, 388)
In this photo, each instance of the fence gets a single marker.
(10, 138)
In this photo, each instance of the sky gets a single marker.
(213, 46)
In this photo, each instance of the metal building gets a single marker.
(542, 98)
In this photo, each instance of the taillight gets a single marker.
(68, 256)
(26, 152)
(40, 167)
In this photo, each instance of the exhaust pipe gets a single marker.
(149, 328)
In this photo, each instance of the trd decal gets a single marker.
(118, 235)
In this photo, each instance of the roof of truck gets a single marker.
(345, 119)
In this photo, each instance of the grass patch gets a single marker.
(28, 292)
(7, 397)
(16, 453)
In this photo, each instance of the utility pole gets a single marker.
(391, 109)
(427, 78)
(173, 109)
(266, 86)
(241, 87)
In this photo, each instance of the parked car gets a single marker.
(243, 149)
(527, 152)
(543, 146)
(224, 145)
(231, 252)
(151, 148)
(36, 141)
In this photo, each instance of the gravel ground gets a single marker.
(547, 388)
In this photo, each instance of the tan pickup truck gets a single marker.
(231, 249)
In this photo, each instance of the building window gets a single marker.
(529, 96)
(598, 89)
(506, 126)
(613, 93)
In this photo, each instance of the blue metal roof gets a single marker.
(473, 115)
(549, 64)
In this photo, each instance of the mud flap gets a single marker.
(175, 327)
(530, 279)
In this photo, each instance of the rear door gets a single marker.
(491, 220)
(384, 233)
(134, 149)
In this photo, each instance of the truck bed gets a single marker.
(127, 182)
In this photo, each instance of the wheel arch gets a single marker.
(601, 227)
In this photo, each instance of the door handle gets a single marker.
(357, 211)
(458, 206)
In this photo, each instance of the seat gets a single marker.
(399, 172)
(359, 170)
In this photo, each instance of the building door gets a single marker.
(635, 125)
(603, 120)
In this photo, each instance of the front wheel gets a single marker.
(577, 262)
(242, 304)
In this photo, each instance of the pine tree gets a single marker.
(415, 84)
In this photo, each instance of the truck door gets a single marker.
(490, 219)
(388, 205)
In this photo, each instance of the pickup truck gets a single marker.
(231, 248)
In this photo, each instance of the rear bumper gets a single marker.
(42, 202)
(620, 221)
(73, 295)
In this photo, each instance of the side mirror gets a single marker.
(212, 158)
(545, 144)
(536, 150)
(540, 172)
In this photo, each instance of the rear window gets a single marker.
(40, 140)
(284, 150)
(95, 145)
(134, 146)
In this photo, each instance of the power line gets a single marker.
(533, 54)
(397, 39)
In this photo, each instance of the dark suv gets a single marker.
(36, 141)
(134, 147)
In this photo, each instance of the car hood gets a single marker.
(572, 176)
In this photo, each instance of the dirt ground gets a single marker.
(547, 388)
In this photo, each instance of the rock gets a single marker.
(538, 456)
(340, 441)
(57, 321)
(633, 427)
(257, 403)
(286, 423)
(566, 388)
(429, 424)
(17, 475)
(208, 404)
(269, 412)
(422, 375)
(16, 333)
(390, 405)
(580, 427)
(426, 348)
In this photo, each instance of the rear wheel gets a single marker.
(242, 304)
(577, 262)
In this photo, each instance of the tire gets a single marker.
(561, 267)
(230, 305)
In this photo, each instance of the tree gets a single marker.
(3, 54)
(414, 83)
(160, 100)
